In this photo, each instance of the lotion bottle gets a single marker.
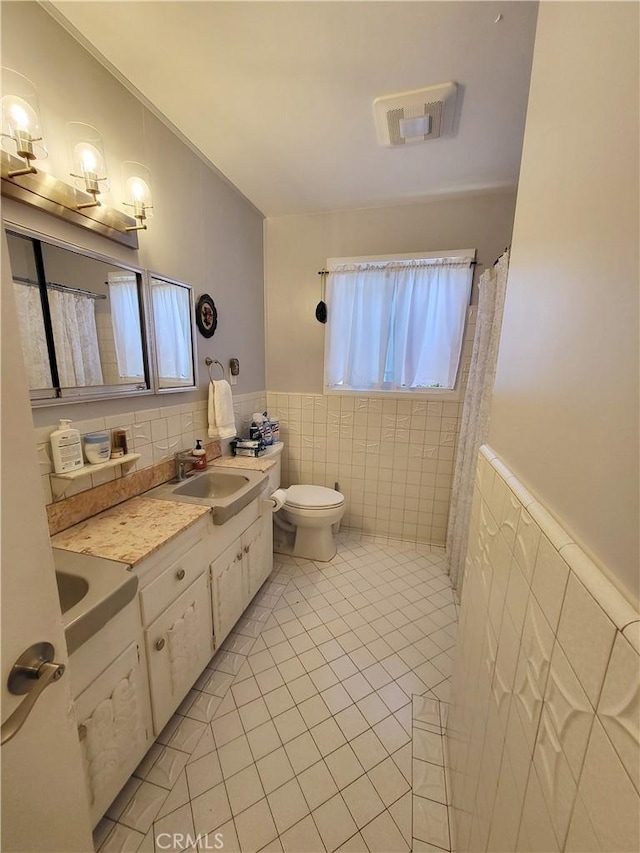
(66, 448)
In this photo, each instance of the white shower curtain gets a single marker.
(32, 336)
(75, 336)
(475, 414)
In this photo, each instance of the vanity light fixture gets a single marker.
(87, 158)
(137, 187)
(21, 122)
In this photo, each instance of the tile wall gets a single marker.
(543, 735)
(392, 458)
(154, 433)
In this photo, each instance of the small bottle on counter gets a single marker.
(200, 454)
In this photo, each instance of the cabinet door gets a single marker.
(114, 726)
(257, 548)
(179, 646)
(228, 590)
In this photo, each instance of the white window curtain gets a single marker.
(171, 319)
(396, 325)
(125, 322)
(76, 338)
(32, 336)
(474, 427)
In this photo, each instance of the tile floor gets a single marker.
(298, 735)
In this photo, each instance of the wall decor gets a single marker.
(206, 316)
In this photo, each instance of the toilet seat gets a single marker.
(313, 497)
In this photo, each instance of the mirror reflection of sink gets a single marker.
(213, 484)
(71, 589)
(226, 493)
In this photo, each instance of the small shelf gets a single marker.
(89, 469)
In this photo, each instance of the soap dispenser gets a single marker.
(200, 455)
(66, 448)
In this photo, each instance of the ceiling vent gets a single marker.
(415, 116)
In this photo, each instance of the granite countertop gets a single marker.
(251, 463)
(130, 531)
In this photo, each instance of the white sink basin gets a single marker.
(92, 591)
(213, 485)
(227, 493)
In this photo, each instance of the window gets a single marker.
(395, 324)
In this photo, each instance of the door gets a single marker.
(44, 802)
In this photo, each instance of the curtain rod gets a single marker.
(471, 264)
(52, 284)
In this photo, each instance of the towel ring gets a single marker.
(209, 361)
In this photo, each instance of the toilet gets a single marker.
(310, 516)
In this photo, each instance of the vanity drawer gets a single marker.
(164, 590)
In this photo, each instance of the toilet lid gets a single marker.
(313, 497)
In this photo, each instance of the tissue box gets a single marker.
(247, 447)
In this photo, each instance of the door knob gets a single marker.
(31, 673)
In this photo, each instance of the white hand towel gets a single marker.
(222, 423)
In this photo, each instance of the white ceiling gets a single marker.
(278, 95)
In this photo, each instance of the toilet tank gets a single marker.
(274, 451)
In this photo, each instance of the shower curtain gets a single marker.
(474, 427)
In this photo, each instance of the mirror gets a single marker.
(172, 333)
(81, 322)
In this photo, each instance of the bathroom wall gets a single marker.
(565, 408)
(155, 434)
(203, 230)
(298, 246)
(392, 457)
(543, 732)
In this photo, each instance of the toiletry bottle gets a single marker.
(258, 420)
(119, 439)
(200, 456)
(66, 448)
(254, 431)
(268, 435)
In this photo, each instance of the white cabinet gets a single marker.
(129, 679)
(114, 726)
(239, 572)
(257, 548)
(179, 645)
(228, 591)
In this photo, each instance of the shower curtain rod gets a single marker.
(52, 284)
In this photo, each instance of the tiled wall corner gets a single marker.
(156, 434)
(391, 458)
(543, 736)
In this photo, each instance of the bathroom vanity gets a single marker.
(195, 577)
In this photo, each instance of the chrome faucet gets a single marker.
(181, 459)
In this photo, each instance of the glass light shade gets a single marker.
(137, 189)
(87, 157)
(21, 129)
